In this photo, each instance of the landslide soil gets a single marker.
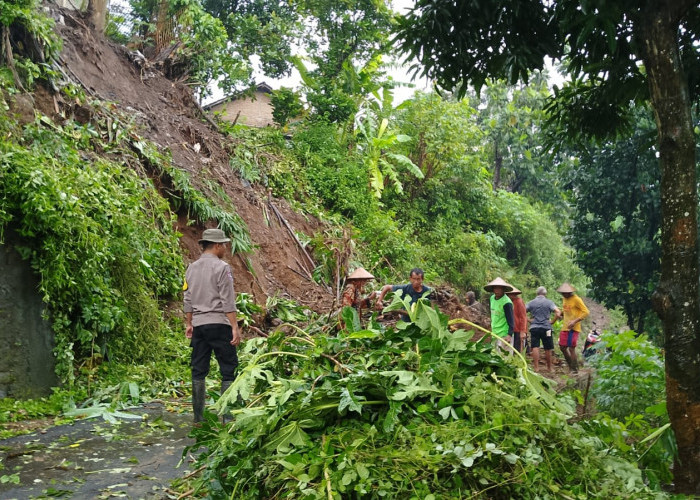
(168, 115)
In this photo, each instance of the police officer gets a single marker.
(210, 316)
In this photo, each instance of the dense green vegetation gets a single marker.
(418, 194)
(619, 55)
(616, 221)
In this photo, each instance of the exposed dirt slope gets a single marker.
(169, 116)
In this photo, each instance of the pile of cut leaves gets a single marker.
(415, 411)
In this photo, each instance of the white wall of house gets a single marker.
(255, 111)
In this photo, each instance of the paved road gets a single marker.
(93, 459)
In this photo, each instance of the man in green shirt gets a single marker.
(501, 311)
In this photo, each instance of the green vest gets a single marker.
(499, 325)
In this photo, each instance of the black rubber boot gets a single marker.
(226, 416)
(199, 394)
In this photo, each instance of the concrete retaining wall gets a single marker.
(27, 366)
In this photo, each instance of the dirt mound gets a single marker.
(168, 115)
(453, 305)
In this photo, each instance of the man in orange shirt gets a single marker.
(575, 311)
(519, 319)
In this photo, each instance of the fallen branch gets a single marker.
(297, 272)
(291, 231)
(235, 120)
(206, 117)
(9, 58)
(303, 267)
(340, 366)
(258, 331)
(195, 472)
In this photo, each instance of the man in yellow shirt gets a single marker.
(575, 311)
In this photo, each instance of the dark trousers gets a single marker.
(517, 340)
(217, 338)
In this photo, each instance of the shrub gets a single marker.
(630, 375)
(100, 238)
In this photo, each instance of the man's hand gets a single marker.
(379, 305)
(236, 334)
(236, 340)
(188, 331)
(571, 324)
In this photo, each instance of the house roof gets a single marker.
(260, 87)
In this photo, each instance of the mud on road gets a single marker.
(94, 459)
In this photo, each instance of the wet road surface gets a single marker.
(93, 459)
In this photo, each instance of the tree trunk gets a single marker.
(676, 299)
(497, 165)
(98, 14)
(640, 323)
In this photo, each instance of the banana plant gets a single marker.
(376, 141)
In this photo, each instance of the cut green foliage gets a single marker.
(412, 412)
(247, 308)
(285, 309)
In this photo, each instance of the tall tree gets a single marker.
(617, 51)
(266, 28)
(522, 160)
(616, 220)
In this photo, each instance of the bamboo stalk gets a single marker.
(291, 232)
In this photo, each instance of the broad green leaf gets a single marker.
(288, 437)
(349, 401)
(351, 319)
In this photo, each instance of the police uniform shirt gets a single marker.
(209, 291)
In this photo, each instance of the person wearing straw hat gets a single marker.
(210, 317)
(519, 319)
(575, 311)
(501, 311)
(541, 309)
(352, 295)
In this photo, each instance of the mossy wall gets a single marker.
(27, 367)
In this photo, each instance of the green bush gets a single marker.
(286, 104)
(630, 387)
(466, 259)
(630, 375)
(533, 245)
(100, 238)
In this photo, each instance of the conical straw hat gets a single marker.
(498, 282)
(514, 291)
(566, 288)
(360, 274)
